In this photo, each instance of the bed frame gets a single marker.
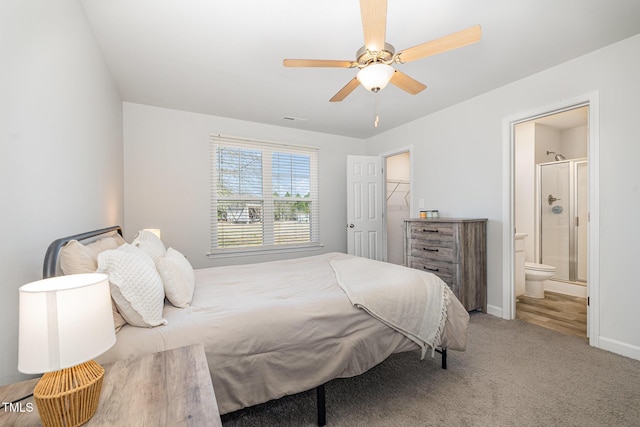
(50, 269)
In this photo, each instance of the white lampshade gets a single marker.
(155, 231)
(63, 322)
(375, 76)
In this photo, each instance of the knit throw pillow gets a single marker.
(136, 286)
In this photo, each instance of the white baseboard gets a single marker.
(494, 310)
(619, 347)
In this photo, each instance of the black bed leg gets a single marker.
(443, 352)
(322, 412)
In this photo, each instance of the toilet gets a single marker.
(535, 276)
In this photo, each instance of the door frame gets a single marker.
(384, 155)
(508, 208)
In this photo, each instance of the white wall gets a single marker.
(167, 177)
(458, 162)
(60, 145)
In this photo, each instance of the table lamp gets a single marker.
(155, 231)
(64, 322)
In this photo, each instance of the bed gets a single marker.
(279, 328)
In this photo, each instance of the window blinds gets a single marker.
(264, 195)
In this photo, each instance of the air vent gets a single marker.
(293, 119)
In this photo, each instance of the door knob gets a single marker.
(551, 199)
(351, 226)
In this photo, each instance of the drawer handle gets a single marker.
(431, 269)
(424, 230)
(429, 250)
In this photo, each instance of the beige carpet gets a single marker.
(512, 374)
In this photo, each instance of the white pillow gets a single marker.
(76, 257)
(136, 286)
(178, 277)
(150, 243)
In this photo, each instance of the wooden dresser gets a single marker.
(453, 249)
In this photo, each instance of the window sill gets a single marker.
(242, 252)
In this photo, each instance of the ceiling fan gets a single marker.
(374, 59)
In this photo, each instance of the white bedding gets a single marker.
(277, 328)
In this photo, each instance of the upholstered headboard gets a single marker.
(50, 267)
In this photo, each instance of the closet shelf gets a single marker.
(398, 183)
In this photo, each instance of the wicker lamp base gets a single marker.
(69, 397)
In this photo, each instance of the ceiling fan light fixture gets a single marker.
(376, 76)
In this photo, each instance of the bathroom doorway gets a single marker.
(551, 219)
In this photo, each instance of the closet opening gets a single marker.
(397, 172)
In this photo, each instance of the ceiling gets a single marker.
(567, 119)
(224, 58)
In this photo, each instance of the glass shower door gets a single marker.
(563, 190)
(555, 217)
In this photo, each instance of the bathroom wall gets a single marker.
(546, 139)
(525, 185)
(574, 142)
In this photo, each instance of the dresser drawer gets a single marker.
(439, 233)
(427, 250)
(444, 270)
(453, 249)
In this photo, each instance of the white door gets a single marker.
(364, 206)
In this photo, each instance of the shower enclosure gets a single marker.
(562, 218)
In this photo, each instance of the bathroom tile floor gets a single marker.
(562, 313)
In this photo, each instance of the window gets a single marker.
(264, 196)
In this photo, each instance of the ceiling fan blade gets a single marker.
(345, 91)
(443, 44)
(329, 63)
(374, 23)
(406, 83)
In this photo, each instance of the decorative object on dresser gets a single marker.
(453, 249)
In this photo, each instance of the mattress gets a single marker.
(277, 328)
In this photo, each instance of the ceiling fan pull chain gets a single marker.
(376, 120)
